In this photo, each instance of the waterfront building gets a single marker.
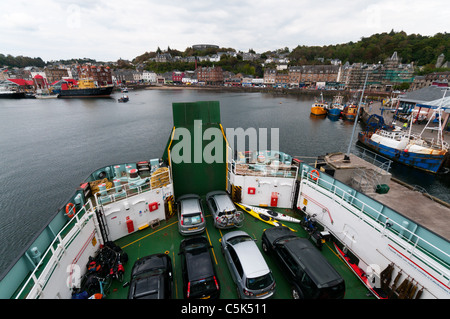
(99, 74)
(282, 79)
(54, 74)
(149, 76)
(382, 77)
(123, 75)
(177, 77)
(435, 78)
(210, 75)
(269, 77)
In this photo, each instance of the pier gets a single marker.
(410, 201)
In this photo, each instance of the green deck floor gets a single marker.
(166, 239)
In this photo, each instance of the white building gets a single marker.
(149, 76)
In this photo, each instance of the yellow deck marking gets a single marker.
(209, 239)
(133, 242)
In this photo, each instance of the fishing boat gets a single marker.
(131, 208)
(336, 108)
(123, 99)
(319, 108)
(406, 147)
(349, 112)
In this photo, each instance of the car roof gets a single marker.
(224, 202)
(315, 264)
(251, 259)
(190, 205)
(199, 265)
(198, 259)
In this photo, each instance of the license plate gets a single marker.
(207, 297)
(264, 293)
(193, 228)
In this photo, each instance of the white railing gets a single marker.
(361, 210)
(132, 188)
(265, 170)
(53, 255)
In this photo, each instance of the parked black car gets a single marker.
(310, 274)
(198, 271)
(151, 278)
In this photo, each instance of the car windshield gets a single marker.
(261, 282)
(239, 239)
(203, 285)
(227, 213)
(192, 219)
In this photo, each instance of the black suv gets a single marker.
(151, 278)
(197, 266)
(310, 274)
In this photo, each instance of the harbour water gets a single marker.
(48, 147)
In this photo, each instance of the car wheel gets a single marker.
(295, 293)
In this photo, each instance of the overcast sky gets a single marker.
(107, 30)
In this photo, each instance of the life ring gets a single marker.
(70, 209)
(316, 177)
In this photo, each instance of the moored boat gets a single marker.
(85, 88)
(319, 108)
(349, 112)
(405, 147)
(123, 99)
(336, 108)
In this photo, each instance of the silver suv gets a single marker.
(191, 219)
(248, 268)
(223, 210)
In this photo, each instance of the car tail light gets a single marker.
(217, 284)
(188, 290)
(181, 222)
(202, 217)
(248, 293)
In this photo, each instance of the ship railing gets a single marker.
(264, 170)
(132, 188)
(413, 244)
(381, 162)
(50, 260)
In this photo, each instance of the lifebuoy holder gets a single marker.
(316, 176)
(70, 210)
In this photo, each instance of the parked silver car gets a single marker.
(223, 210)
(248, 268)
(191, 219)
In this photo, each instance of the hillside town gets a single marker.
(385, 76)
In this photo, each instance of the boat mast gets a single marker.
(440, 136)
(347, 157)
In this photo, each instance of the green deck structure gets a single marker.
(195, 174)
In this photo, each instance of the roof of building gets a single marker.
(21, 82)
(423, 95)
